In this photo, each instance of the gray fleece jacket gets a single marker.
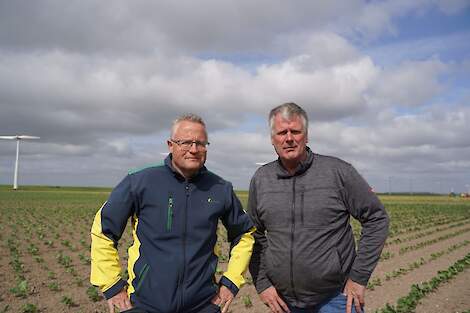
(304, 244)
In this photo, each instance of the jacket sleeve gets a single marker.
(240, 235)
(366, 207)
(257, 263)
(108, 226)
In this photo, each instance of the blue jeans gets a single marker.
(209, 308)
(336, 304)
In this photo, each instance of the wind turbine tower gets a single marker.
(17, 138)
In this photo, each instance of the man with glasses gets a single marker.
(304, 257)
(174, 209)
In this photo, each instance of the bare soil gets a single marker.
(392, 290)
(454, 297)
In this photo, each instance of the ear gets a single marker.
(170, 146)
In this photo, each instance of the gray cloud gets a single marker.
(100, 82)
(147, 27)
(410, 84)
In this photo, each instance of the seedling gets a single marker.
(21, 289)
(93, 294)
(247, 301)
(29, 308)
(53, 286)
(68, 301)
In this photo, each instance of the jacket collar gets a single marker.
(177, 174)
(301, 168)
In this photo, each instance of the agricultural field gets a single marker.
(45, 258)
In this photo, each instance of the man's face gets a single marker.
(188, 161)
(289, 138)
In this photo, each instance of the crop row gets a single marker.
(50, 233)
(386, 255)
(423, 244)
(417, 216)
(425, 233)
(22, 288)
(414, 265)
(400, 227)
(408, 303)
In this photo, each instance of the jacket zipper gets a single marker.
(185, 218)
(302, 207)
(169, 220)
(292, 240)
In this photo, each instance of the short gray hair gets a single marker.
(287, 110)
(190, 117)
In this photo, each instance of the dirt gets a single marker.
(453, 297)
(425, 252)
(396, 288)
(396, 248)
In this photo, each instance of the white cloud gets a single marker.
(101, 83)
(328, 93)
(190, 27)
(412, 83)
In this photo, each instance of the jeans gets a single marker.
(336, 304)
(209, 308)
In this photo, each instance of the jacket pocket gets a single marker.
(318, 269)
(321, 207)
(169, 214)
(278, 270)
(328, 274)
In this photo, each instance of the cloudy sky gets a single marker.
(386, 85)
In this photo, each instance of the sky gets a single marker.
(386, 85)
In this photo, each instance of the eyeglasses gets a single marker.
(187, 144)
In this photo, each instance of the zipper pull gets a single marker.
(169, 220)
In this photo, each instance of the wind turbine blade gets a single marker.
(260, 163)
(7, 137)
(27, 137)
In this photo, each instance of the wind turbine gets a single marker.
(17, 138)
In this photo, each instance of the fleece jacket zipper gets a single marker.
(292, 240)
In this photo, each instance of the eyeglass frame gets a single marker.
(200, 145)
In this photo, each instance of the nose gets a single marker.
(289, 136)
(193, 148)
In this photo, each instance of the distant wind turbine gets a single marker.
(17, 138)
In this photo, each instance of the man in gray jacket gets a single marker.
(304, 259)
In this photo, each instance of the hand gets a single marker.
(120, 300)
(223, 298)
(356, 292)
(270, 297)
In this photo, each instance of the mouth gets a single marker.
(289, 149)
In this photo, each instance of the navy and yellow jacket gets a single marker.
(173, 259)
